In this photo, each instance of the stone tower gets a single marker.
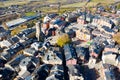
(38, 30)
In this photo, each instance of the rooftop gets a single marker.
(19, 21)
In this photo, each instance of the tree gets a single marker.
(18, 29)
(63, 39)
(30, 24)
(107, 8)
(5, 26)
(116, 37)
(118, 6)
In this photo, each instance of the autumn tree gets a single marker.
(5, 26)
(18, 29)
(63, 39)
(116, 37)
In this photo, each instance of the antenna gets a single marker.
(59, 6)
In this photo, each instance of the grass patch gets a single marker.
(30, 14)
(63, 10)
(90, 4)
(118, 6)
(1, 4)
(9, 3)
(55, 10)
(54, 1)
(79, 4)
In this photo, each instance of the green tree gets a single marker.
(63, 39)
(118, 6)
(107, 8)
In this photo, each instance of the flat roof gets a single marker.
(15, 22)
(19, 21)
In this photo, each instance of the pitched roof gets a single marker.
(30, 51)
(74, 70)
(52, 58)
(69, 52)
(7, 73)
(5, 43)
(14, 39)
(16, 61)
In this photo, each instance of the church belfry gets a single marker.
(38, 30)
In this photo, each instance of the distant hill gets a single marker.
(67, 3)
(3, 0)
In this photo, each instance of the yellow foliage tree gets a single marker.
(5, 26)
(18, 29)
(116, 37)
(63, 39)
